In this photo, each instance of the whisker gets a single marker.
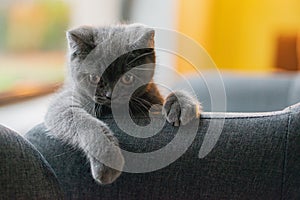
(81, 80)
(98, 110)
(136, 106)
(143, 69)
(145, 101)
(141, 104)
(130, 112)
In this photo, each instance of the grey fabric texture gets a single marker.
(246, 93)
(256, 157)
(291, 180)
(24, 173)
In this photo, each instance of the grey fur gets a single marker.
(72, 116)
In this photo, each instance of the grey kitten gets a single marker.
(99, 59)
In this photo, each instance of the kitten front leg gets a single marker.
(103, 151)
(74, 125)
(180, 108)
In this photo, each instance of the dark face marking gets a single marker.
(143, 60)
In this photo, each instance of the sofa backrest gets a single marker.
(249, 93)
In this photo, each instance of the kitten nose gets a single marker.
(108, 94)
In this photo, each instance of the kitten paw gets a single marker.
(110, 169)
(181, 108)
(103, 174)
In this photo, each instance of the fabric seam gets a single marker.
(284, 165)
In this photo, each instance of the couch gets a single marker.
(255, 156)
(24, 172)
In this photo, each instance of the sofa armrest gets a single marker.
(24, 173)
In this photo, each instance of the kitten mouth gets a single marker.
(102, 100)
(108, 101)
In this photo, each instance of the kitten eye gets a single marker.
(94, 79)
(127, 79)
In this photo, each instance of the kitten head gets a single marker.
(101, 57)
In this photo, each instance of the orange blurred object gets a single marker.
(239, 35)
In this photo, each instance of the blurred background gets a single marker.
(247, 37)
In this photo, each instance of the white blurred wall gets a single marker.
(94, 12)
(158, 13)
(23, 116)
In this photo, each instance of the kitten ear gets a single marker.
(145, 40)
(81, 40)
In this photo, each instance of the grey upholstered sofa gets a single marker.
(24, 172)
(257, 155)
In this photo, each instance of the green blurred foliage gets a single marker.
(13, 77)
(54, 37)
(40, 25)
(3, 28)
